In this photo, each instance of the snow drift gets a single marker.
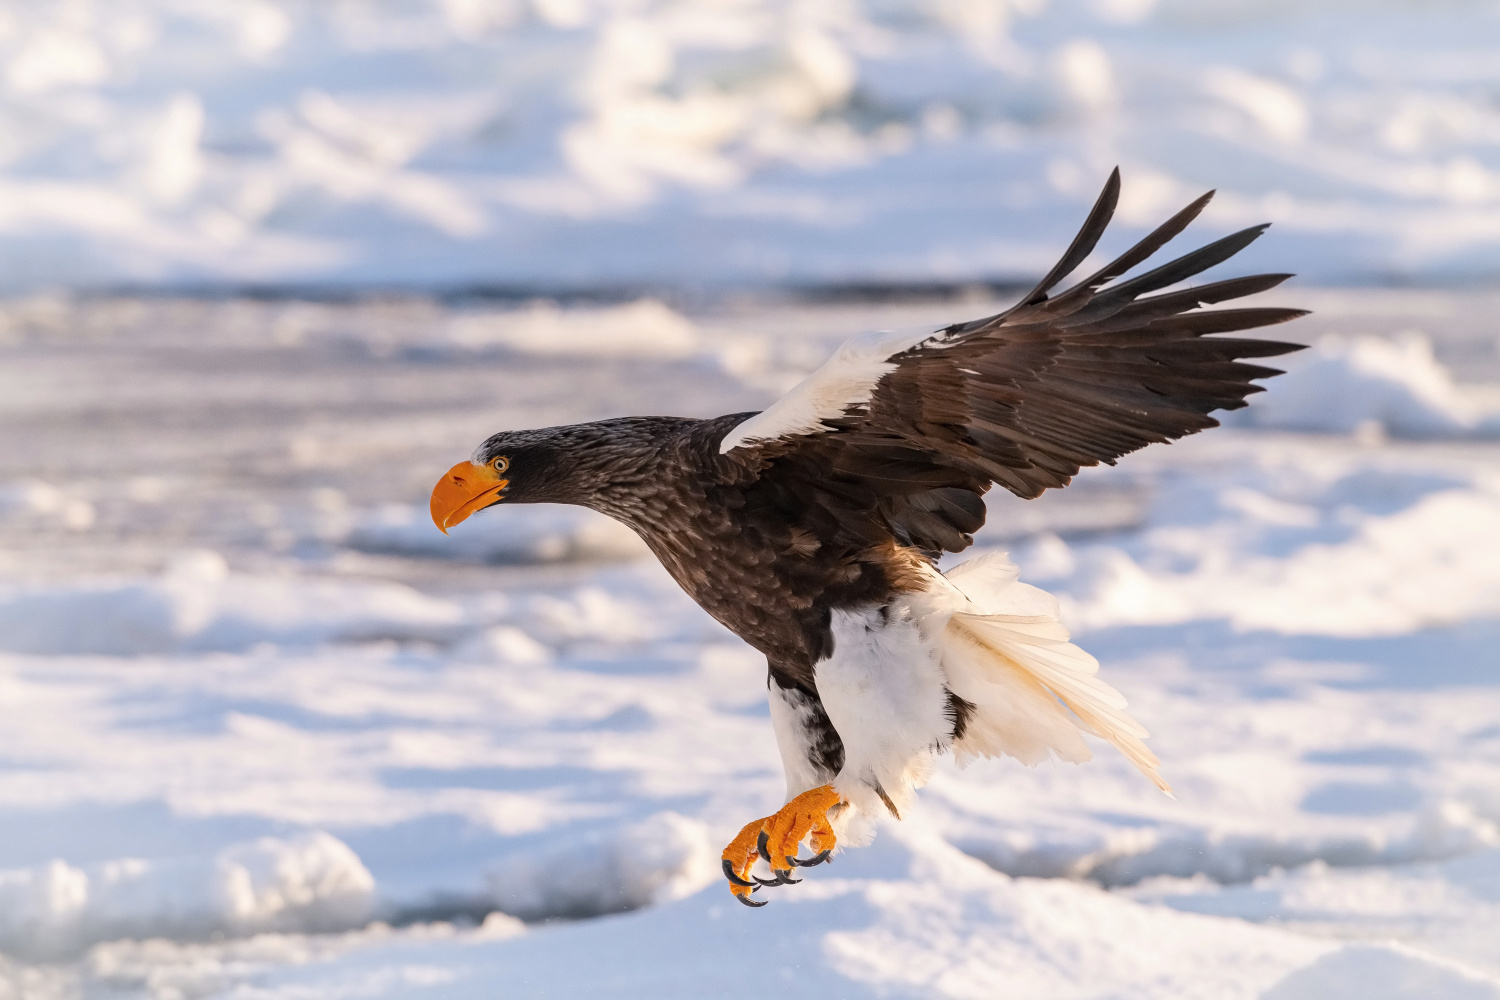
(1306, 621)
(1352, 384)
(313, 882)
(518, 535)
(547, 144)
(197, 604)
(661, 858)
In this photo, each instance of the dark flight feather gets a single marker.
(1029, 396)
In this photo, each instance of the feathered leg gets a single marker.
(812, 753)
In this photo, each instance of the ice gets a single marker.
(577, 146)
(33, 501)
(265, 732)
(160, 966)
(1348, 384)
(312, 882)
(503, 644)
(534, 535)
(1393, 573)
(196, 604)
(1384, 973)
(915, 919)
(643, 328)
(661, 858)
(1448, 907)
(268, 732)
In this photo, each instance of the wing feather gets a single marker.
(1027, 397)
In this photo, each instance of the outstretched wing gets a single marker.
(1027, 397)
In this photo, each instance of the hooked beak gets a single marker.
(464, 489)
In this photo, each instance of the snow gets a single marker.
(195, 604)
(313, 882)
(661, 858)
(918, 920)
(561, 144)
(1373, 384)
(269, 734)
(535, 534)
(1446, 906)
(1357, 568)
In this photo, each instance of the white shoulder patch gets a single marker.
(844, 380)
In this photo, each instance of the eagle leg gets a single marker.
(777, 836)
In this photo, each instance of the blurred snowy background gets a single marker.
(270, 267)
(580, 144)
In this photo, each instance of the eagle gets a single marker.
(813, 529)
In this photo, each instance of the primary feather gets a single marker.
(1029, 396)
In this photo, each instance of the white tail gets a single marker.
(1004, 650)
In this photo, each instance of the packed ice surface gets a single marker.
(312, 883)
(1383, 385)
(575, 144)
(267, 733)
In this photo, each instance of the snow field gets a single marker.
(331, 752)
(551, 145)
(310, 883)
(917, 919)
(267, 734)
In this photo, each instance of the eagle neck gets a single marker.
(617, 467)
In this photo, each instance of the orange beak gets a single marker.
(464, 489)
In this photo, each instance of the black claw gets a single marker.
(731, 876)
(816, 859)
(763, 846)
(782, 878)
(750, 902)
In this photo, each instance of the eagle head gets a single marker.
(509, 467)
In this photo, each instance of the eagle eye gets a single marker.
(501, 464)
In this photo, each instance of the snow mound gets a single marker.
(159, 968)
(952, 929)
(503, 644)
(310, 883)
(1354, 384)
(283, 142)
(1458, 900)
(1426, 565)
(916, 919)
(198, 605)
(526, 534)
(1130, 855)
(644, 328)
(1384, 972)
(1418, 893)
(33, 501)
(661, 858)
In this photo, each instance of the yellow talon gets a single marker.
(806, 816)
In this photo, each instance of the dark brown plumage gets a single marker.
(780, 534)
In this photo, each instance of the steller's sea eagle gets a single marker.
(812, 529)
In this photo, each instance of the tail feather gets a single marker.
(1005, 651)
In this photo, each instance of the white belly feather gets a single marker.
(883, 691)
(991, 640)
